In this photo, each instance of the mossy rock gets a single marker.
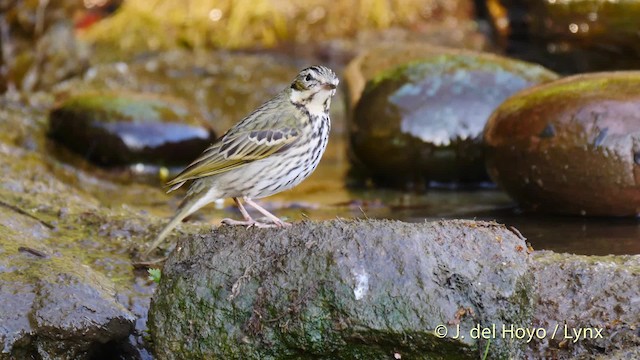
(571, 146)
(342, 290)
(124, 129)
(422, 122)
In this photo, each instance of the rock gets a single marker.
(586, 292)
(52, 307)
(569, 36)
(87, 231)
(629, 354)
(125, 129)
(223, 86)
(385, 56)
(341, 290)
(369, 289)
(570, 146)
(422, 122)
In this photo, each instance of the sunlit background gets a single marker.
(103, 101)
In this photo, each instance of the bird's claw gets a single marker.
(232, 222)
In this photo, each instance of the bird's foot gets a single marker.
(259, 224)
(265, 225)
(283, 224)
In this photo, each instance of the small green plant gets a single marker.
(486, 349)
(155, 275)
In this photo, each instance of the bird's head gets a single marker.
(314, 87)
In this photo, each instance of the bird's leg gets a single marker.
(243, 211)
(248, 221)
(276, 221)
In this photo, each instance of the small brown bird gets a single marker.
(273, 149)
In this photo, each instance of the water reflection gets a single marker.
(325, 196)
(587, 236)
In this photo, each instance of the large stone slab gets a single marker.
(343, 290)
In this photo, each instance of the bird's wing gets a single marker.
(242, 144)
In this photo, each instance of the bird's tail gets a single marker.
(191, 203)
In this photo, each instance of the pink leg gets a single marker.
(248, 221)
(270, 216)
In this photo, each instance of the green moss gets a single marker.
(275, 314)
(437, 65)
(575, 88)
(119, 107)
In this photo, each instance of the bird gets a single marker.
(272, 149)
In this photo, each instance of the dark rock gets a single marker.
(627, 354)
(124, 129)
(586, 165)
(422, 122)
(599, 294)
(342, 290)
(52, 306)
(569, 36)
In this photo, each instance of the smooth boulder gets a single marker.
(570, 146)
(124, 129)
(421, 123)
(385, 56)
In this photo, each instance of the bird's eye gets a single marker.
(308, 78)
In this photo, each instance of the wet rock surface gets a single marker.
(385, 56)
(348, 289)
(124, 129)
(341, 289)
(65, 263)
(51, 303)
(422, 122)
(570, 146)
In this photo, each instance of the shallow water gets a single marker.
(325, 196)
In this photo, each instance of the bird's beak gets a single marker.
(329, 86)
